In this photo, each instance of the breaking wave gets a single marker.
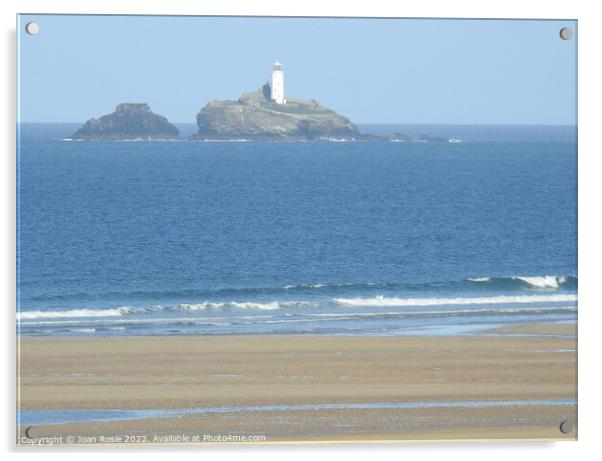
(381, 301)
(74, 313)
(126, 310)
(518, 282)
(377, 301)
(487, 283)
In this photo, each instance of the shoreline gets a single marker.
(308, 387)
(557, 328)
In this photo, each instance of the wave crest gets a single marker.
(483, 283)
(381, 301)
(72, 313)
(541, 282)
(186, 307)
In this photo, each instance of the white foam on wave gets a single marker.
(299, 318)
(83, 330)
(534, 281)
(546, 281)
(265, 306)
(125, 310)
(378, 301)
(253, 305)
(310, 285)
(272, 305)
(115, 312)
(497, 310)
(381, 301)
(199, 306)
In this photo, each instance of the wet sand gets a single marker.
(227, 371)
(567, 329)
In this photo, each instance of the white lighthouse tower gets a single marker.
(278, 84)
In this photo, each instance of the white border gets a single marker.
(590, 152)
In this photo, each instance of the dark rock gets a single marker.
(400, 137)
(427, 138)
(129, 121)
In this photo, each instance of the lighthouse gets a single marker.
(278, 84)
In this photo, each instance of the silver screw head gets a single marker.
(566, 33)
(566, 427)
(32, 28)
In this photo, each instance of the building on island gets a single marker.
(277, 84)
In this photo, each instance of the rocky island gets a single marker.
(266, 115)
(130, 121)
(262, 115)
(256, 117)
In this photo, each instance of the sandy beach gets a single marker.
(464, 372)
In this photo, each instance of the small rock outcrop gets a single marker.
(427, 138)
(130, 121)
(256, 118)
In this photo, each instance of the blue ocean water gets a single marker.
(361, 238)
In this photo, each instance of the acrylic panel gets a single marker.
(271, 229)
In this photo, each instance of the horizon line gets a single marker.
(364, 123)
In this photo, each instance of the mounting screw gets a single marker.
(566, 427)
(566, 33)
(32, 28)
(31, 432)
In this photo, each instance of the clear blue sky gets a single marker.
(371, 70)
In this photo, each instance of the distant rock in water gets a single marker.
(400, 137)
(129, 121)
(427, 138)
(254, 117)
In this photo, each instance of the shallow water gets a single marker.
(67, 416)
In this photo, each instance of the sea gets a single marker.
(296, 238)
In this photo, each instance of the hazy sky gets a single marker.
(371, 70)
